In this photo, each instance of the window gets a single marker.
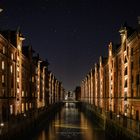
(32, 78)
(137, 115)
(137, 79)
(139, 61)
(132, 65)
(2, 65)
(3, 50)
(3, 92)
(30, 105)
(3, 79)
(11, 69)
(125, 72)
(12, 56)
(125, 84)
(18, 74)
(26, 106)
(132, 79)
(133, 110)
(22, 107)
(12, 82)
(125, 60)
(125, 96)
(33, 94)
(11, 109)
(22, 93)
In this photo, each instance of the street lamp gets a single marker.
(1, 127)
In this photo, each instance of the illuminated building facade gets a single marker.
(56, 90)
(115, 81)
(25, 82)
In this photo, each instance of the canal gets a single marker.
(70, 124)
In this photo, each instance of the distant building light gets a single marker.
(1, 124)
(66, 97)
(125, 114)
(24, 115)
(118, 116)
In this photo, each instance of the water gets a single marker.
(70, 124)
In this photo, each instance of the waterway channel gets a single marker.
(70, 124)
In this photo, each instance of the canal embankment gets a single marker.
(115, 127)
(23, 125)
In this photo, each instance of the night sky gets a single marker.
(71, 34)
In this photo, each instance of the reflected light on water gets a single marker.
(70, 126)
(71, 123)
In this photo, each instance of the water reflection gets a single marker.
(69, 124)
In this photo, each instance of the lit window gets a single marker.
(32, 78)
(11, 109)
(26, 106)
(22, 107)
(132, 110)
(17, 79)
(17, 68)
(11, 68)
(2, 65)
(12, 56)
(17, 90)
(2, 78)
(22, 93)
(32, 94)
(3, 50)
